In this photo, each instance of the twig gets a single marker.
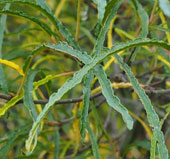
(75, 100)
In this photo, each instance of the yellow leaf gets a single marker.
(163, 60)
(10, 103)
(12, 65)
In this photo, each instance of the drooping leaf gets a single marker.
(35, 20)
(143, 17)
(78, 76)
(11, 103)
(3, 83)
(13, 66)
(14, 54)
(101, 4)
(153, 147)
(56, 144)
(165, 6)
(28, 88)
(43, 4)
(93, 142)
(12, 140)
(65, 48)
(58, 25)
(86, 100)
(157, 27)
(151, 114)
(100, 40)
(111, 99)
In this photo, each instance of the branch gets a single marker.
(75, 100)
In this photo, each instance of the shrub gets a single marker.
(118, 61)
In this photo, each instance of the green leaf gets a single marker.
(111, 99)
(14, 54)
(100, 40)
(151, 114)
(43, 26)
(101, 4)
(78, 76)
(13, 135)
(56, 144)
(153, 147)
(43, 4)
(105, 83)
(165, 6)
(58, 25)
(43, 81)
(93, 142)
(10, 103)
(86, 100)
(143, 17)
(157, 27)
(64, 47)
(28, 88)
(3, 82)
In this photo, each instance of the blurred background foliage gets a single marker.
(60, 136)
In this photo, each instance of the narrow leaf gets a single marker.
(13, 66)
(46, 11)
(35, 20)
(86, 100)
(12, 140)
(10, 103)
(64, 47)
(165, 6)
(56, 144)
(157, 27)
(153, 148)
(28, 88)
(100, 40)
(151, 114)
(111, 99)
(2, 28)
(78, 76)
(143, 17)
(93, 142)
(101, 4)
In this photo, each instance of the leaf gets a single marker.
(151, 114)
(153, 148)
(93, 142)
(43, 81)
(56, 144)
(165, 6)
(143, 17)
(101, 4)
(69, 84)
(64, 47)
(14, 54)
(58, 25)
(10, 103)
(100, 40)
(157, 27)
(28, 88)
(78, 76)
(106, 87)
(111, 99)
(86, 100)
(2, 28)
(12, 140)
(35, 20)
(42, 3)
(13, 66)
